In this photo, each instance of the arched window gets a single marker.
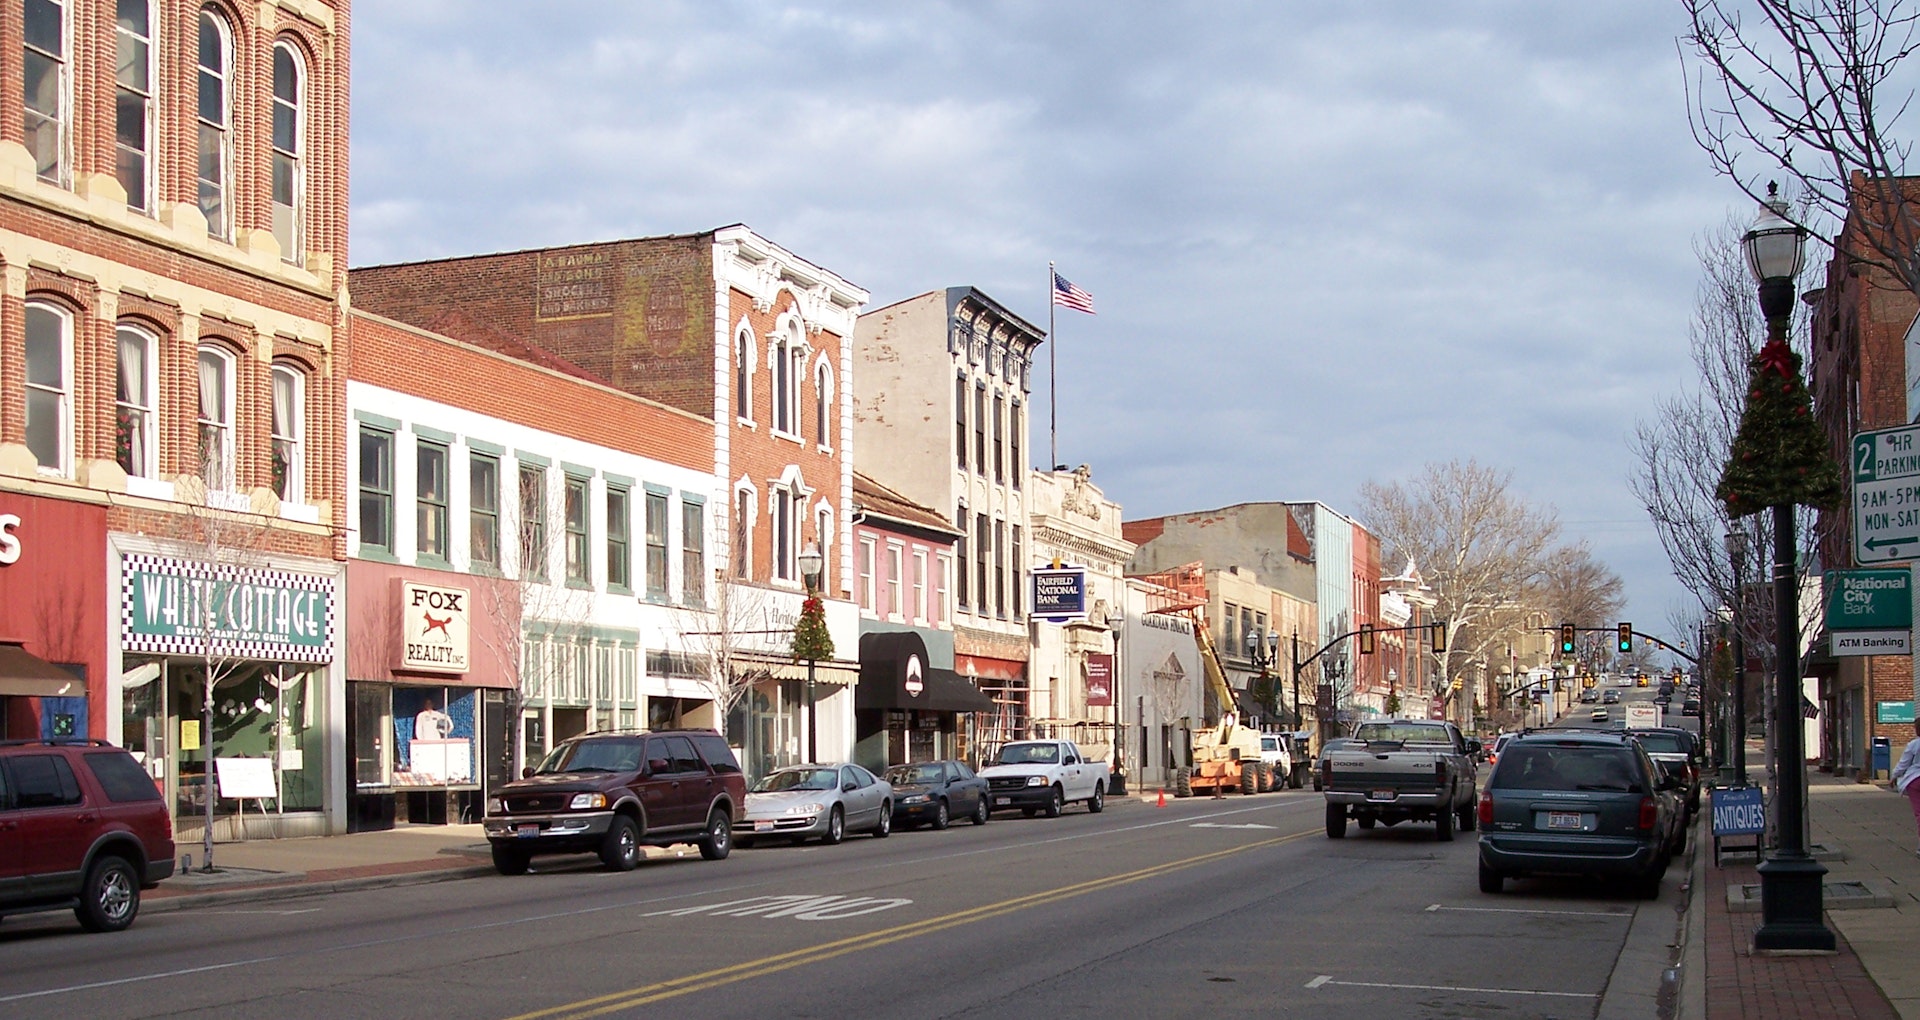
(289, 149)
(780, 364)
(215, 109)
(134, 432)
(289, 433)
(823, 404)
(743, 375)
(48, 88)
(133, 76)
(216, 418)
(50, 387)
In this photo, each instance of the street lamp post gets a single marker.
(1263, 650)
(811, 563)
(1737, 732)
(1790, 879)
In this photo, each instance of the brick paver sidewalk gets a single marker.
(1743, 986)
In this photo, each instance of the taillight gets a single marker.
(1326, 772)
(1440, 771)
(1486, 808)
(1649, 812)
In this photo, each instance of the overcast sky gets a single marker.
(1327, 242)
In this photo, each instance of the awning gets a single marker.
(26, 675)
(894, 675)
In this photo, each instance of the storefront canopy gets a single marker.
(894, 674)
(24, 674)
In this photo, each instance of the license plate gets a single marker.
(527, 831)
(1381, 795)
(1564, 820)
(762, 826)
(1002, 800)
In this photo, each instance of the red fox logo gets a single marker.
(439, 625)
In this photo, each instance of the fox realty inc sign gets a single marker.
(1870, 612)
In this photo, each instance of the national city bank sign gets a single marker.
(188, 607)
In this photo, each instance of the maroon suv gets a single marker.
(81, 826)
(611, 793)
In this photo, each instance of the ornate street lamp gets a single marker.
(808, 635)
(1779, 459)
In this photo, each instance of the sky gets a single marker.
(1327, 242)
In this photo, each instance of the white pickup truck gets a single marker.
(1044, 775)
(1400, 770)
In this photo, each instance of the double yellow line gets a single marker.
(646, 994)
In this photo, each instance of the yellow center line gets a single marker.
(629, 998)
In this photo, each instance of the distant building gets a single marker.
(1078, 691)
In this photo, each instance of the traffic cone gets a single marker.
(1163, 798)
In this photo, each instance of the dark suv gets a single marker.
(82, 826)
(611, 793)
(1584, 803)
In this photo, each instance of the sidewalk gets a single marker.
(1872, 977)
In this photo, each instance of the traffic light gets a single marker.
(1439, 637)
(1587, 682)
(1626, 638)
(1456, 685)
(1366, 639)
(1566, 639)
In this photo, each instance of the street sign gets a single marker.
(1872, 642)
(1869, 599)
(1886, 495)
(1642, 715)
(1893, 711)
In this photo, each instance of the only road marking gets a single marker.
(1327, 979)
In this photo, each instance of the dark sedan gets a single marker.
(936, 792)
(1577, 804)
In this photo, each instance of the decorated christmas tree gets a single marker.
(1779, 456)
(810, 637)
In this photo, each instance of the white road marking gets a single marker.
(1217, 825)
(279, 913)
(803, 908)
(142, 977)
(1517, 910)
(1327, 979)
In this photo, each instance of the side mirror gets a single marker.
(847, 787)
(526, 772)
(1473, 747)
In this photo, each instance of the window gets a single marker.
(962, 576)
(656, 545)
(942, 589)
(781, 364)
(1227, 620)
(865, 569)
(289, 150)
(693, 552)
(533, 522)
(743, 375)
(783, 545)
(999, 439)
(619, 538)
(376, 488)
(1247, 633)
(430, 499)
(982, 553)
(133, 441)
(43, 781)
(46, 88)
(215, 111)
(920, 586)
(960, 429)
(980, 430)
(1016, 428)
(578, 551)
(50, 386)
(895, 607)
(216, 418)
(823, 540)
(133, 100)
(483, 509)
(289, 433)
(1017, 592)
(823, 405)
(1000, 569)
(743, 534)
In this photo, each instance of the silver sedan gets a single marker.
(827, 801)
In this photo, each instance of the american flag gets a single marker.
(1069, 296)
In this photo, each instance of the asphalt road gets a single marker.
(1205, 908)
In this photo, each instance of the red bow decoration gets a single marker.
(1776, 356)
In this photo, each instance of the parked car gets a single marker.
(83, 827)
(1499, 741)
(1577, 803)
(1045, 775)
(613, 792)
(1401, 770)
(936, 792)
(828, 801)
(1679, 750)
(1285, 758)
(1330, 746)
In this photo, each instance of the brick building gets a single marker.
(749, 337)
(173, 240)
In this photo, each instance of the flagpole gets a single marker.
(1053, 379)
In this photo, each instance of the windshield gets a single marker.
(907, 775)
(798, 779)
(1020, 754)
(1534, 767)
(593, 756)
(1406, 733)
(1662, 743)
(1269, 743)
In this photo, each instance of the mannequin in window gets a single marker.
(431, 723)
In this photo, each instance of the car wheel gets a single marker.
(1469, 818)
(718, 842)
(1443, 827)
(1491, 881)
(1366, 821)
(510, 860)
(940, 819)
(981, 811)
(884, 827)
(1336, 821)
(1183, 782)
(1056, 802)
(111, 896)
(620, 850)
(1098, 802)
(836, 827)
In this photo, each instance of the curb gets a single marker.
(1644, 972)
(1690, 1000)
(303, 890)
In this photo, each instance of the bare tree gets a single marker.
(1812, 90)
(1480, 547)
(715, 642)
(1575, 586)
